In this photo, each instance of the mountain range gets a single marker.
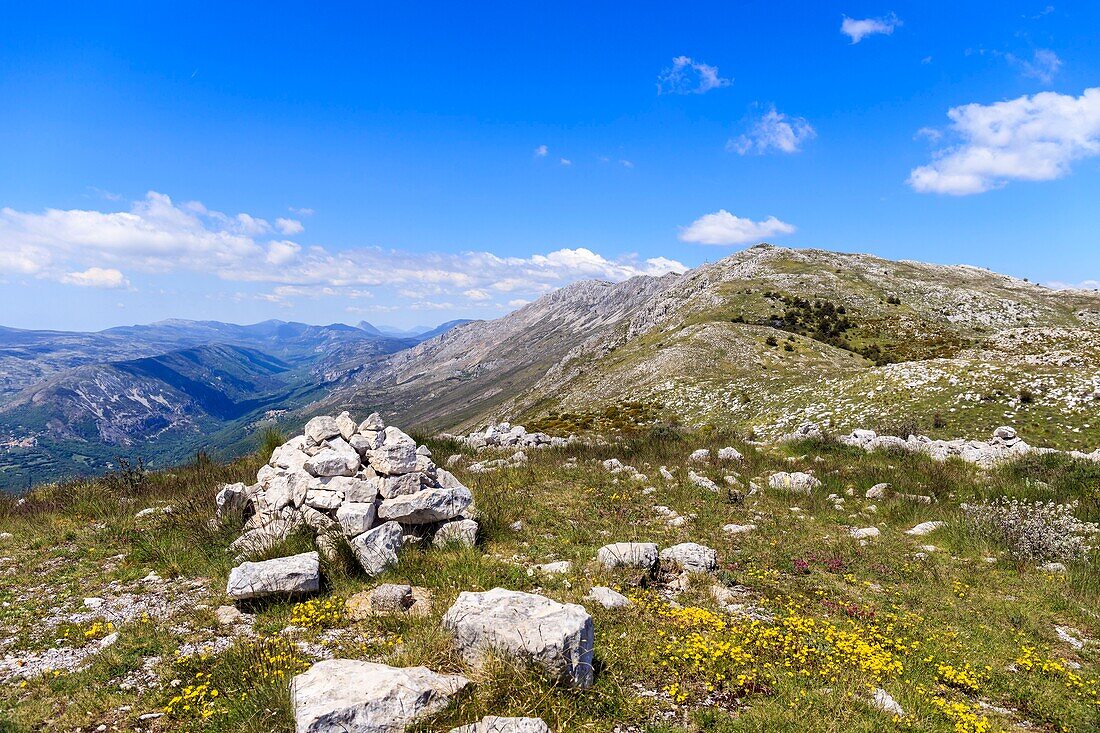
(759, 341)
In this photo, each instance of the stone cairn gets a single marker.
(365, 482)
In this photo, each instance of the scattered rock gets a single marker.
(738, 528)
(341, 695)
(461, 532)
(924, 528)
(729, 453)
(297, 574)
(628, 554)
(864, 533)
(887, 704)
(608, 598)
(798, 482)
(692, 557)
(558, 637)
(878, 491)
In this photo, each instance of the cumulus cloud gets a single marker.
(773, 131)
(542, 151)
(724, 228)
(859, 29)
(687, 76)
(289, 227)
(1030, 138)
(159, 237)
(97, 277)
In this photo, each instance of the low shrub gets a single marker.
(1034, 531)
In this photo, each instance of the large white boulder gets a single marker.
(556, 636)
(493, 724)
(320, 429)
(427, 506)
(292, 575)
(628, 554)
(397, 454)
(330, 462)
(350, 696)
(346, 426)
(691, 557)
(377, 549)
(798, 482)
(355, 517)
(459, 532)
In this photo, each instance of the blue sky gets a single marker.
(409, 163)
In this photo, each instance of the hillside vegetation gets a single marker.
(113, 593)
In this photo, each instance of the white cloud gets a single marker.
(542, 151)
(566, 162)
(289, 227)
(97, 277)
(158, 237)
(857, 30)
(1030, 138)
(517, 303)
(1083, 285)
(280, 253)
(300, 212)
(477, 294)
(687, 76)
(722, 227)
(1044, 64)
(928, 133)
(626, 163)
(773, 131)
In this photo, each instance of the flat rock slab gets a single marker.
(556, 636)
(350, 696)
(281, 576)
(493, 724)
(427, 506)
(628, 554)
(608, 598)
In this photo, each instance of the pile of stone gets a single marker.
(365, 482)
(506, 435)
(1005, 444)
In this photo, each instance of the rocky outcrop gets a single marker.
(1005, 445)
(529, 627)
(506, 435)
(341, 695)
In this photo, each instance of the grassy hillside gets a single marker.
(771, 337)
(964, 636)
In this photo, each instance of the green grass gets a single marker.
(948, 608)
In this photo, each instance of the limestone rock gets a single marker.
(329, 462)
(924, 528)
(426, 506)
(346, 426)
(692, 557)
(460, 532)
(377, 549)
(729, 453)
(292, 575)
(878, 491)
(355, 518)
(556, 636)
(345, 695)
(397, 454)
(798, 482)
(320, 429)
(628, 554)
(608, 598)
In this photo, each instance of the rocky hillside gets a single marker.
(766, 339)
(343, 582)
